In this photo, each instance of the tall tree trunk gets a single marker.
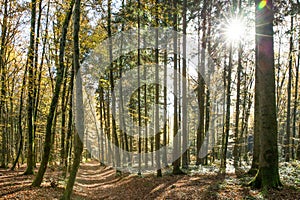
(256, 144)
(156, 127)
(236, 148)
(70, 122)
(107, 122)
(184, 95)
(227, 120)
(294, 153)
(201, 83)
(267, 175)
(30, 106)
(54, 102)
(176, 144)
(39, 76)
(113, 98)
(296, 95)
(146, 121)
(122, 119)
(139, 93)
(20, 128)
(3, 85)
(79, 104)
(101, 138)
(37, 73)
(164, 156)
(287, 149)
(64, 103)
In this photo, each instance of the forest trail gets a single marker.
(96, 182)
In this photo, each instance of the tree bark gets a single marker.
(54, 102)
(139, 93)
(185, 163)
(113, 98)
(227, 120)
(3, 71)
(79, 104)
(201, 83)
(30, 106)
(236, 148)
(176, 161)
(287, 149)
(267, 175)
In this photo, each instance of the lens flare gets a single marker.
(262, 4)
(234, 30)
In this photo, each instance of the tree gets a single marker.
(238, 90)
(201, 82)
(267, 175)
(30, 106)
(156, 128)
(176, 145)
(288, 115)
(184, 95)
(296, 95)
(111, 80)
(79, 104)
(54, 102)
(3, 75)
(139, 90)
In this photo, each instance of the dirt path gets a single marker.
(97, 182)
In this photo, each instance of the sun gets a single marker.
(234, 30)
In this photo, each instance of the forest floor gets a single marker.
(98, 182)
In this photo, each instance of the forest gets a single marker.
(157, 99)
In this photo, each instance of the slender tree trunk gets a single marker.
(228, 102)
(184, 95)
(122, 119)
(101, 139)
(296, 95)
(20, 128)
(4, 150)
(54, 102)
(70, 122)
(156, 128)
(287, 149)
(201, 84)
(64, 103)
(30, 106)
(37, 73)
(236, 148)
(113, 98)
(146, 121)
(256, 144)
(139, 93)
(108, 128)
(79, 104)
(164, 156)
(210, 70)
(176, 144)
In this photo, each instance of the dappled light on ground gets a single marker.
(98, 182)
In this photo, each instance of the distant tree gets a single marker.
(112, 87)
(176, 145)
(157, 131)
(287, 148)
(184, 88)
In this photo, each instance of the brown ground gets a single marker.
(97, 182)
